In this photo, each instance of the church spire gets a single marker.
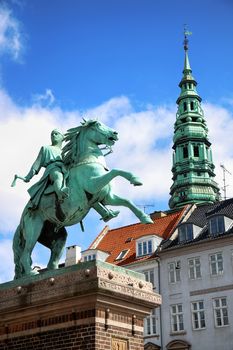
(193, 168)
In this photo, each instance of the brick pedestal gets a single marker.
(88, 306)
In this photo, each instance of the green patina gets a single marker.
(193, 168)
(46, 274)
(54, 204)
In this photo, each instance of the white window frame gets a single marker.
(89, 257)
(145, 247)
(194, 265)
(150, 324)
(174, 268)
(216, 264)
(150, 276)
(177, 318)
(221, 318)
(122, 254)
(198, 315)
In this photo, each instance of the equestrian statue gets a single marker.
(75, 180)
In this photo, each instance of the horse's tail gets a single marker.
(18, 247)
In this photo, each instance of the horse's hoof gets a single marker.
(146, 219)
(135, 181)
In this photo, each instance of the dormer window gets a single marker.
(145, 248)
(185, 232)
(94, 254)
(216, 225)
(90, 257)
(147, 245)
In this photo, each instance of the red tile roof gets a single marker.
(114, 241)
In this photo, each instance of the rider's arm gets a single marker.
(35, 166)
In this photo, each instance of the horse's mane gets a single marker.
(71, 150)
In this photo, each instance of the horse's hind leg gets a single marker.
(31, 231)
(57, 248)
(113, 199)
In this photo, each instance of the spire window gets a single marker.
(185, 152)
(196, 151)
(185, 106)
(192, 105)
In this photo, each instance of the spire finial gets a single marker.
(186, 33)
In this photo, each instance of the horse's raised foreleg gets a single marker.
(57, 248)
(96, 183)
(32, 227)
(113, 199)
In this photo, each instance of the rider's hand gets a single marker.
(26, 179)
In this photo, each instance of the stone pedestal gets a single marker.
(91, 305)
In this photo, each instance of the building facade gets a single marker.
(197, 288)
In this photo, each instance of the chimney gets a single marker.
(73, 255)
(158, 214)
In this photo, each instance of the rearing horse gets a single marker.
(89, 184)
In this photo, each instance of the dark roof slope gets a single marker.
(200, 218)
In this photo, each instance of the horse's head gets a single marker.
(90, 131)
(100, 134)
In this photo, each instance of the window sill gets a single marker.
(151, 336)
(172, 334)
(223, 326)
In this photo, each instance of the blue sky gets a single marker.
(119, 61)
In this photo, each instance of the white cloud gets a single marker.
(46, 99)
(110, 110)
(220, 124)
(10, 34)
(7, 262)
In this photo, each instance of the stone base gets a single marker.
(89, 306)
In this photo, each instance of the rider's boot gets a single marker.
(105, 213)
(63, 193)
(110, 214)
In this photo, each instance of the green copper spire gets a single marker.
(193, 168)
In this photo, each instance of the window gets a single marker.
(174, 272)
(194, 268)
(185, 152)
(177, 321)
(122, 254)
(150, 324)
(216, 225)
(198, 315)
(196, 151)
(185, 106)
(185, 232)
(220, 312)
(89, 257)
(192, 105)
(150, 276)
(145, 247)
(216, 264)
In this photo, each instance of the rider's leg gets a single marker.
(57, 178)
(105, 213)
